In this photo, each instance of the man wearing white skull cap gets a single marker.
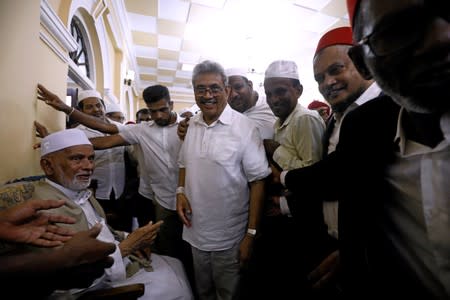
(298, 131)
(109, 174)
(110, 164)
(114, 112)
(67, 159)
(297, 143)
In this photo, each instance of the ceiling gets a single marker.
(170, 36)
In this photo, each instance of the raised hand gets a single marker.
(85, 258)
(51, 99)
(25, 223)
(84, 248)
(183, 128)
(41, 130)
(140, 238)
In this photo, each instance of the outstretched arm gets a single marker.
(25, 223)
(92, 122)
(74, 265)
(106, 142)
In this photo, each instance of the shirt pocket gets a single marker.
(225, 151)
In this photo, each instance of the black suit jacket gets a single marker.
(355, 175)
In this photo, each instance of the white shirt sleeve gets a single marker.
(284, 207)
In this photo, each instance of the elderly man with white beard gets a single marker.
(67, 159)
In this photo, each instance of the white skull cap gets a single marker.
(63, 139)
(236, 72)
(282, 69)
(112, 107)
(88, 94)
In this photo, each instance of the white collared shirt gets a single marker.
(370, 93)
(220, 160)
(419, 215)
(158, 148)
(263, 117)
(117, 270)
(300, 139)
(109, 165)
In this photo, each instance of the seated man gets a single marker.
(67, 160)
(77, 264)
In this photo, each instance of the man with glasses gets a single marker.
(221, 186)
(405, 46)
(244, 99)
(394, 219)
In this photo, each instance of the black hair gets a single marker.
(155, 93)
(142, 111)
(80, 104)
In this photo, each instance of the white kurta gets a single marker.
(109, 166)
(300, 138)
(263, 117)
(167, 281)
(158, 161)
(220, 160)
(418, 219)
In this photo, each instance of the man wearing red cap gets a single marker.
(339, 82)
(322, 108)
(394, 219)
(344, 89)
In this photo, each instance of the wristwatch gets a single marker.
(251, 231)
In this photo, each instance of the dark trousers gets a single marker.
(118, 212)
(144, 210)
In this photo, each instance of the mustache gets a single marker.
(85, 173)
(208, 101)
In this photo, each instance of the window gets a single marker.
(80, 56)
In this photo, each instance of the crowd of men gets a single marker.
(255, 195)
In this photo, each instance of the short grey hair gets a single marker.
(209, 66)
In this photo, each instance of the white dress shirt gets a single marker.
(109, 166)
(263, 117)
(419, 215)
(158, 159)
(220, 160)
(168, 279)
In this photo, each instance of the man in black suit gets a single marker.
(344, 88)
(394, 217)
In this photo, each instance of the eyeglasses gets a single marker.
(405, 29)
(201, 90)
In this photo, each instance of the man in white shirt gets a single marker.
(221, 185)
(246, 100)
(297, 143)
(109, 173)
(157, 147)
(114, 112)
